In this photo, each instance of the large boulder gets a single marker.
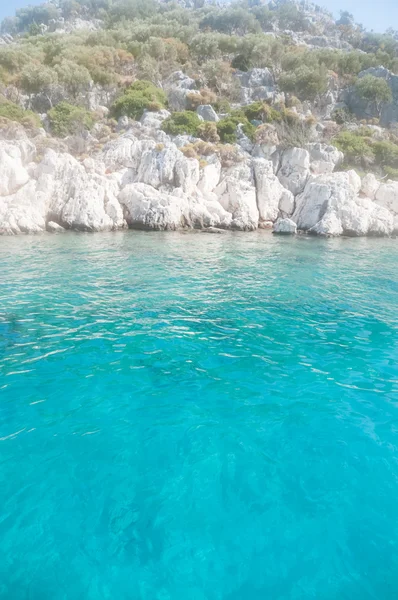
(285, 226)
(13, 174)
(295, 169)
(329, 205)
(272, 198)
(76, 199)
(153, 120)
(61, 190)
(24, 211)
(178, 87)
(324, 158)
(369, 186)
(256, 84)
(147, 208)
(125, 152)
(210, 175)
(236, 194)
(207, 112)
(387, 196)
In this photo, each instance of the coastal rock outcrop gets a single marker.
(237, 195)
(295, 169)
(329, 205)
(272, 197)
(140, 183)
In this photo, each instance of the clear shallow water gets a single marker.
(198, 417)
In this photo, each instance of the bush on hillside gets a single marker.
(140, 96)
(13, 112)
(67, 119)
(375, 90)
(356, 148)
(341, 115)
(305, 83)
(386, 154)
(294, 134)
(207, 131)
(226, 129)
(74, 77)
(205, 96)
(180, 123)
(37, 78)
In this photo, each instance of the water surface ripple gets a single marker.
(198, 417)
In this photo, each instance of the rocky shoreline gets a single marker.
(143, 180)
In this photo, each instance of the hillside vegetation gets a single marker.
(74, 60)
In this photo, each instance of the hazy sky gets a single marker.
(373, 15)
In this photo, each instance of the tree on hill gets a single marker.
(375, 90)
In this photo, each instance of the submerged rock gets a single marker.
(213, 230)
(53, 227)
(285, 226)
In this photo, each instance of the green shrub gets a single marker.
(14, 112)
(140, 96)
(356, 148)
(305, 82)
(391, 172)
(241, 62)
(255, 111)
(221, 105)
(386, 154)
(66, 119)
(226, 129)
(341, 116)
(374, 89)
(179, 123)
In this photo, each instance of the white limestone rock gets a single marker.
(257, 84)
(125, 152)
(123, 123)
(178, 87)
(24, 211)
(208, 213)
(53, 227)
(210, 175)
(355, 180)
(13, 174)
(207, 112)
(285, 226)
(237, 195)
(148, 208)
(153, 120)
(271, 195)
(369, 186)
(76, 199)
(324, 158)
(295, 169)
(387, 196)
(330, 206)
(186, 174)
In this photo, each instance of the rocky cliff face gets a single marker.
(143, 180)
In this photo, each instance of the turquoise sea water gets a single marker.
(198, 417)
